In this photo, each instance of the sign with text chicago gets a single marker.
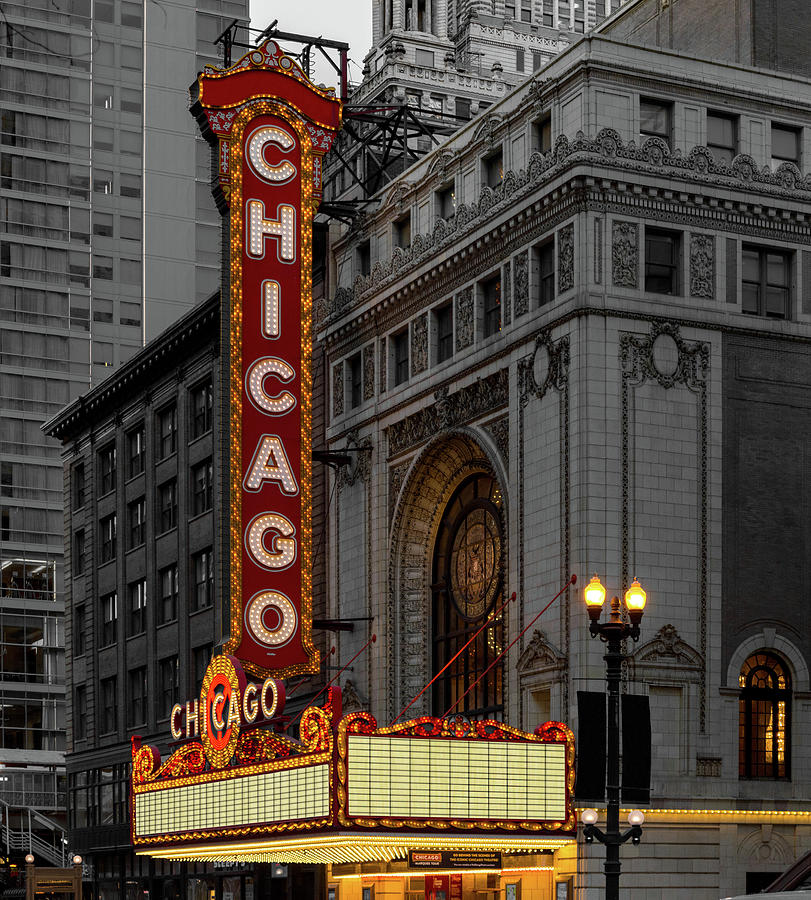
(271, 127)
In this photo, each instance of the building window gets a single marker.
(545, 261)
(519, 60)
(109, 707)
(655, 120)
(137, 592)
(79, 632)
(136, 696)
(167, 432)
(542, 135)
(399, 343)
(764, 719)
(443, 318)
(401, 231)
(785, 145)
(107, 470)
(493, 168)
(137, 522)
(78, 482)
(424, 57)
(355, 380)
(446, 203)
(463, 112)
(79, 552)
(509, 9)
(202, 404)
(467, 586)
(80, 713)
(662, 260)
(167, 506)
(169, 594)
(491, 305)
(364, 258)
(109, 619)
(136, 451)
(203, 568)
(202, 487)
(722, 136)
(766, 284)
(168, 686)
(201, 657)
(526, 10)
(107, 538)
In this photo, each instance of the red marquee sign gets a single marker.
(271, 127)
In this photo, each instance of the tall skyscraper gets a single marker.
(108, 233)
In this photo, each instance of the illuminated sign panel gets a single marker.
(347, 790)
(289, 795)
(433, 779)
(271, 126)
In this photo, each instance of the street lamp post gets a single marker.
(613, 632)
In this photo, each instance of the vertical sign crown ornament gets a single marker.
(271, 127)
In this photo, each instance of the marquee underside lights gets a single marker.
(271, 127)
(346, 791)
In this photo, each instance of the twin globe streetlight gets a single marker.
(613, 632)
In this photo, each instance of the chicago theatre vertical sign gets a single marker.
(271, 128)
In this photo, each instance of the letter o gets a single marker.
(255, 611)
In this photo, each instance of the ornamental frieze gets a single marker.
(449, 410)
(652, 157)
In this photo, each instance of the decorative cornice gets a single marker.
(449, 410)
(540, 655)
(653, 157)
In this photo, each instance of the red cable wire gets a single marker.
(572, 580)
(488, 622)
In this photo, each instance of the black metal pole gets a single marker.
(613, 661)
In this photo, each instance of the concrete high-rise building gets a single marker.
(108, 233)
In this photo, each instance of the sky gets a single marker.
(337, 20)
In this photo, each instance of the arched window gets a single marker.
(468, 584)
(764, 718)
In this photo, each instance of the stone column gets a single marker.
(397, 16)
(378, 11)
(441, 18)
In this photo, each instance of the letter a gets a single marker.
(270, 463)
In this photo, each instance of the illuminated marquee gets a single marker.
(271, 127)
(347, 790)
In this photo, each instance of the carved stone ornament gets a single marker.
(351, 699)
(500, 431)
(702, 266)
(667, 644)
(397, 195)
(450, 410)
(535, 94)
(546, 367)
(664, 356)
(506, 292)
(419, 344)
(487, 130)
(566, 258)
(443, 164)
(397, 476)
(368, 371)
(652, 157)
(625, 254)
(540, 655)
(521, 283)
(338, 389)
(464, 318)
